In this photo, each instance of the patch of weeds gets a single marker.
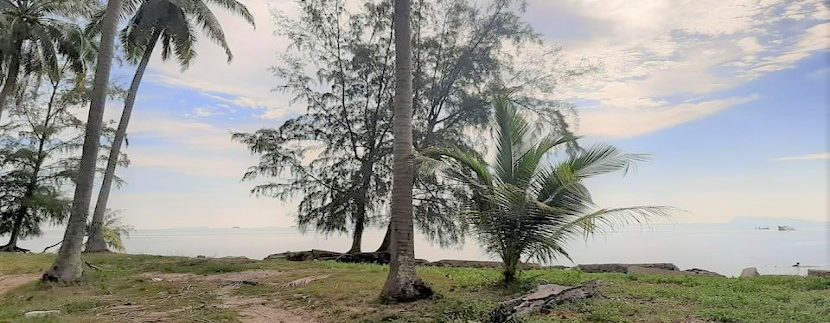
(83, 305)
(464, 311)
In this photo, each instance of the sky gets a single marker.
(730, 99)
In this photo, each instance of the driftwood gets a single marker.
(542, 300)
(52, 246)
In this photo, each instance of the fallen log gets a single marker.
(542, 300)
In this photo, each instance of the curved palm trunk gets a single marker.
(96, 241)
(403, 283)
(67, 267)
(10, 84)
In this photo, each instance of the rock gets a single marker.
(542, 299)
(703, 272)
(750, 272)
(41, 314)
(818, 273)
(312, 254)
(200, 257)
(621, 268)
(381, 258)
(477, 264)
(637, 270)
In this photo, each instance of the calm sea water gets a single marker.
(723, 248)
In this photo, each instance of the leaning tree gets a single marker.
(170, 24)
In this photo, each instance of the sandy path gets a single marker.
(9, 282)
(251, 309)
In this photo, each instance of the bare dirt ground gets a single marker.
(251, 309)
(9, 282)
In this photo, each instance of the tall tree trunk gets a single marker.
(10, 84)
(403, 283)
(384, 245)
(359, 226)
(68, 264)
(18, 224)
(96, 241)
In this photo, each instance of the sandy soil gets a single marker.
(251, 309)
(9, 282)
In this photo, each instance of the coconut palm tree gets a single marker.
(520, 206)
(403, 283)
(67, 267)
(171, 23)
(34, 24)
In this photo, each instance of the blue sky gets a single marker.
(729, 98)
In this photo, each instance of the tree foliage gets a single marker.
(336, 155)
(38, 156)
(345, 131)
(521, 206)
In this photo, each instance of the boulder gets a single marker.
(381, 258)
(621, 268)
(818, 273)
(703, 272)
(312, 254)
(477, 264)
(750, 272)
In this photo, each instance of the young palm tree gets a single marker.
(34, 23)
(172, 23)
(403, 283)
(522, 207)
(67, 267)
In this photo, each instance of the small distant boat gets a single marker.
(785, 228)
(235, 227)
(761, 228)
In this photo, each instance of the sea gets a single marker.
(725, 248)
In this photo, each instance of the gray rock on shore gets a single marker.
(622, 268)
(750, 272)
(818, 273)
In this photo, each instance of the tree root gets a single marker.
(8, 248)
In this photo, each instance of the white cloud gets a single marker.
(657, 53)
(246, 81)
(819, 156)
(620, 123)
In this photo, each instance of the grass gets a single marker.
(349, 294)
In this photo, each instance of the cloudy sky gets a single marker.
(730, 97)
